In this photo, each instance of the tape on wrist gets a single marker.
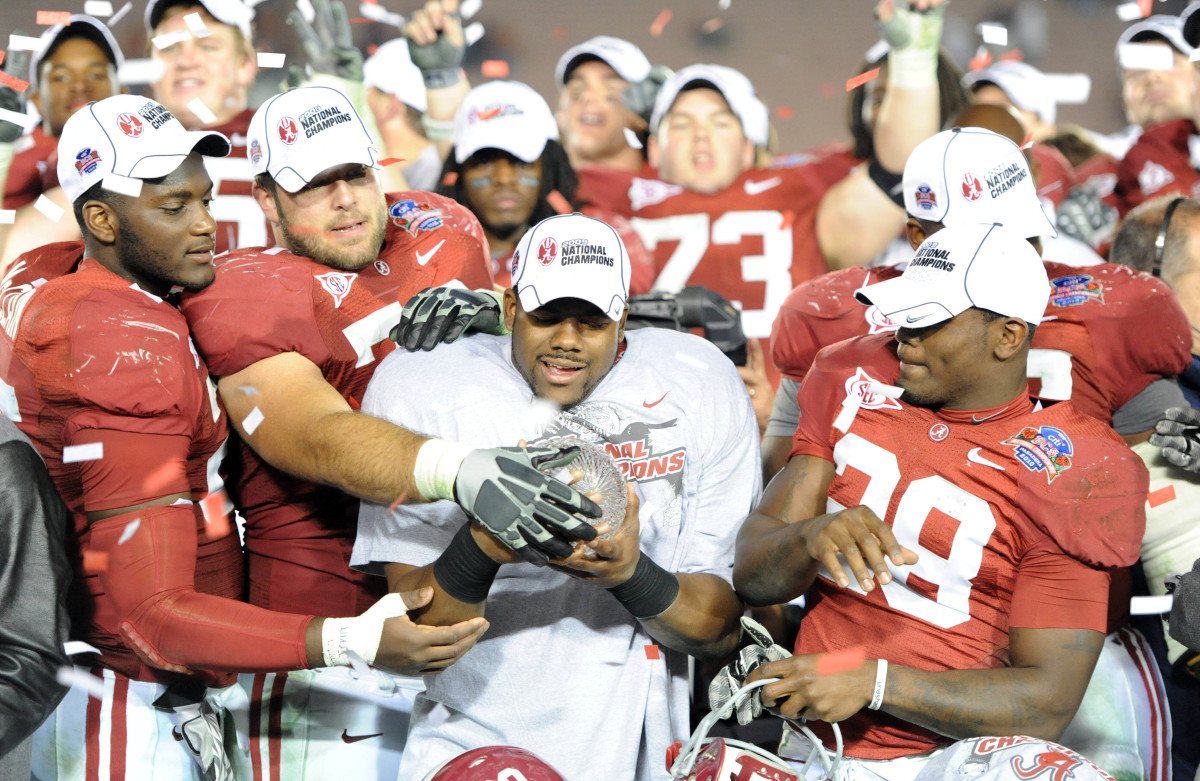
(442, 77)
(649, 592)
(436, 468)
(437, 129)
(913, 67)
(360, 634)
(463, 570)
(880, 685)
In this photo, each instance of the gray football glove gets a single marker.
(909, 27)
(1178, 434)
(733, 675)
(639, 97)
(16, 64)
(444, 314)
(440, 61)
(327, 42)
(1083, 215)
(532, 513)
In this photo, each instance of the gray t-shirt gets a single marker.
(564, 670)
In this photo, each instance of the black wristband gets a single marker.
(649, 592)
(463, 570)
(891, 184)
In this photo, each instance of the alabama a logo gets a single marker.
(415, 217)
(1042, 449)
(337, 284)
(288, 130)
(1075, 289)
(972, 188)
(861, 385)
(130, 125)
(1058, 766)
(547, 251)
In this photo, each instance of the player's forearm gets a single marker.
(364, 456)
(772, 564)
(442, 105)
(856, 221)
(443, 609)
(906, 118)
(703, 619)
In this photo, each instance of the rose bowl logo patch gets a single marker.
(86, 161)
(1045, 449)
(860, 385)
(1075, 289)
(516, 261)
(255, 152)
(415, 217)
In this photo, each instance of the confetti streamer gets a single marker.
(1161, 496)
(473, 32)
(981, 60)
(250, 390)
(75, 647)
(18, 118)
(215, 516)
(494, 69)
(24, 43)
(1070, 88)
(196, 25)
(724, 4)
(861, 79)
(124, 185)
(98, 8)
(252, 421)
(1145, 56)
(271, 59)
(140, 71)
(450, 178)
(632, 139)
(558, 202)
(469, 8)
(13, 82)
(785, 112)
(76, 678)
(119, 15)
(49, 209)
(51, 18)
(836, 662)
(130, 530)
(877, 51)
(399, 501)
(385, 162)
(1151, 606)
(202, 112)
(306, 10)
(167, 40)
(92, 451)
(712, 25)
(1145, 6)
(1127, 12)
(660, 22)
(377, 13)
(8, 216)
(95, 561)
(995, 34)
(652, 652)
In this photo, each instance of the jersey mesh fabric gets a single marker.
(1157, 164)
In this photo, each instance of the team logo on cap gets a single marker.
(493, 111)
(516, 260)
(862, 386)
(1045, 449)
(972, 188)
(130, 125)
(1075, 289)
(415, 217)
(288, 132)
(86, 161)
(547, 251)
(255, 152)
(337, 284)
(925, 197)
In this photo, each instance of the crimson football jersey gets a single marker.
(88, 357)
(1159, 162)
(30, 174)
(1014, 514)
(1108, 331)
(1055, 176)
(264, 302)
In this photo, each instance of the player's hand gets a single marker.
(16, 64)
(408, 648)
(530, 512)
(1083, 215)
(608, 563)
(862, 539)
(908, 24)
(436, 43)
(803, 693)
(732, 676)
(1178, 434)
(327, 42)
(758, 384)
(639, 97)
(444, 314)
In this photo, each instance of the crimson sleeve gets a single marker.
(1158, 164)
(1054, 590)
(820, 396)
(135, 467)
(793, 343)
(150, 582)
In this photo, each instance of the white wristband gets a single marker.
(436, 468)
(360, 634)
(880, 685)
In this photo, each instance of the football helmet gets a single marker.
(495, 763)
(1010, 759)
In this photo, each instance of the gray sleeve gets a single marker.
(785, 415)
(1185, 611)
(1142, 411)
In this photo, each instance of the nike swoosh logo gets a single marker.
(648, 404)
(423, 259)
(977, 421)
(347, 738)
(754, 188)
(973, 456)
(911, 319)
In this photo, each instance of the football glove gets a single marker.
(639, 97)
(1178, 434)
(327, 42)
(913, 37)
(733, 675)
(440, 61)
(1083, 215)
(444, 314)
(530, 512)
(16, 64)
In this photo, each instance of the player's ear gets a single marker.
(265, 202)
(510, 308)
(915, 232)
(749, 154)
(1013, 334)
(652, 151)
(621, 325)
(101, 221)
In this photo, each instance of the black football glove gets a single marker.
(327, 42)
(444, 314)
(640, 96)
(1178, 434)
(530, 512)
(733, 675)
(16, 64)
(1083, 215)
(440, 61)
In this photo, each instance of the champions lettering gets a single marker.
(1001, 179)
(155, 114)
(317, 119)
(933, 257)
(579, 251)
(637, 463)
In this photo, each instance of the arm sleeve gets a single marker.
(818, 401)
(1054, 590)
(1158, 164)
(34, 574)
(785, 415)
(1185, 612)
(1142, 411)
(793, 343)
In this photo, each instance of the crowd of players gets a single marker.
(315, 401)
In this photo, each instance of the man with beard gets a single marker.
(294, 333)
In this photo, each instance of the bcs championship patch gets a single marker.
(86, 161)
(1075, 289)
(415, 217)
(1045, 449)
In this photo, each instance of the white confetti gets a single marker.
(124, 185)
(167, 40)
(724, 4)
(306, 10)
(140, 71)
(469, 8)
(632, 139)
(202, 112)
(130, 530)
(98, 8)
(378, 13)
(73, 647)
(92, 451)
(1127, 12)
(359, 665)
(1070, 88)
(249, 390)
(691, 360)
(120, 14)
(995, 34)
(473, 32)
(76, 678)
(196, 25)
(1149, 606)
(252, 421)
(8, 216)
(877, 51)
(271, 59)
(1194, 56)
(49, 209)
(24, 43)
(1145, 57)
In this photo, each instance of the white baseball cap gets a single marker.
(390, 69)
(231, 12)
(982, 266)
(1164, 27)
(1026, 86)
(572, 256)
(130, 136)
(81, 26)
(505, 115)
(733, 86)
(296, 135)
(622, 56)
(972, 175)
